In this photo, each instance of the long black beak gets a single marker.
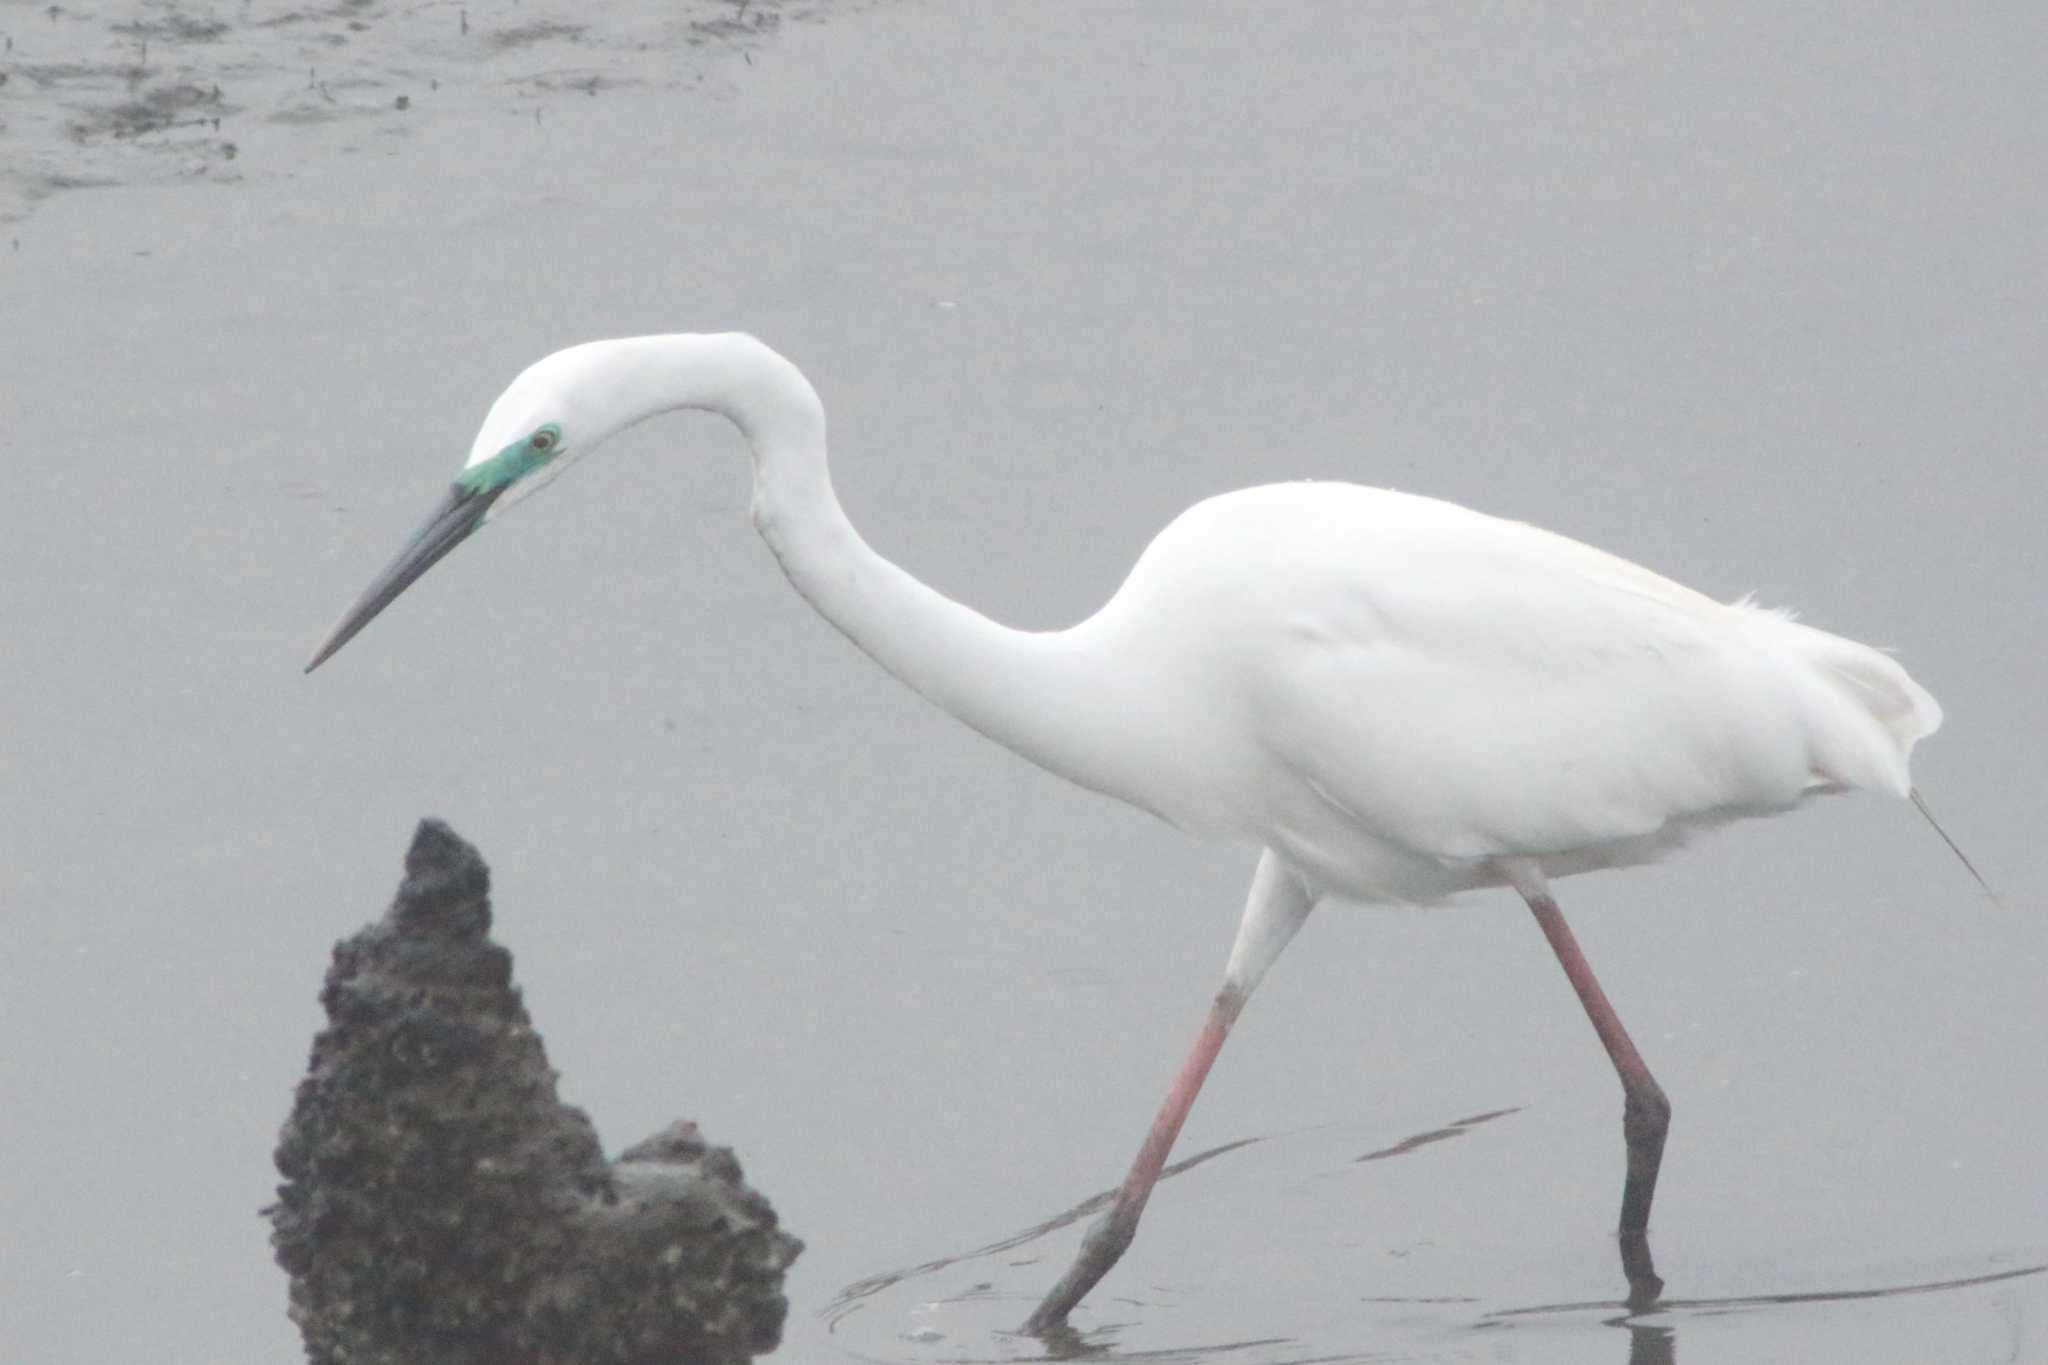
(461, 512)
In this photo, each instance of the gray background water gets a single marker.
(1753, 297)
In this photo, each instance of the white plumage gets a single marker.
(1392, 697)
(1391, 691)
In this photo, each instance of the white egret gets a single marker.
(1392, 698)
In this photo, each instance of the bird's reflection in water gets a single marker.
(1649, 1343)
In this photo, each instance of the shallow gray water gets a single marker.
(1754, 299)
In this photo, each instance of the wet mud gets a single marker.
(146, 91)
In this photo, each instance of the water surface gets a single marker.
(1753, 298)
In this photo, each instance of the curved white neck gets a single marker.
(1042, 694)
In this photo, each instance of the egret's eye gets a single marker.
(543, 440)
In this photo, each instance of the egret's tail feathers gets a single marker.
(1867, 713)
(1920, 804)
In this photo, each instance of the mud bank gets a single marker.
(147, 91)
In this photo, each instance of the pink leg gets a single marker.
(1645, 1114)
(1274, 910)
(1112, 1232)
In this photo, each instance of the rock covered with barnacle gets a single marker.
(440, 1203)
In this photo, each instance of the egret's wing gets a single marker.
(1467, 687)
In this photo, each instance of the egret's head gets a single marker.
(553, 413)
(559, 408)
(566, 405)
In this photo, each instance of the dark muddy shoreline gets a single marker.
(150, 92)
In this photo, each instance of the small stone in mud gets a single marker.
(402, 103)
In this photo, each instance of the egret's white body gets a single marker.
(1392, 692)
(1394, 698)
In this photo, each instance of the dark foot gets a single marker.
(1107, 1238)
(1645, 1286)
